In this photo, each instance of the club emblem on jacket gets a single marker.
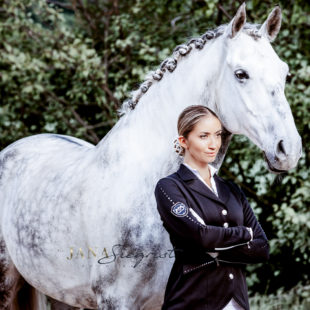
(179, 209)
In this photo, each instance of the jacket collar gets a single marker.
(197, 185)
(213, 170)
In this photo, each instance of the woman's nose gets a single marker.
(212, 143)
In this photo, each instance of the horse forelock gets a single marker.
(170, 63)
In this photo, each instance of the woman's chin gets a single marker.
(210, 158)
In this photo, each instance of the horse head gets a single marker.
(251, 85)
(234, 71)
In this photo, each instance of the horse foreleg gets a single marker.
(10, 284)
(10, 280)
(15, 292)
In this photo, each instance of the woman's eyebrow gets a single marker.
(209, 132)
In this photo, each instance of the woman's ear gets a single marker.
(182, 141)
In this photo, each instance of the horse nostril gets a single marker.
(281, 148)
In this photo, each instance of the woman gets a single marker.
(211, 225)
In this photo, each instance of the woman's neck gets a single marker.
(202, 168)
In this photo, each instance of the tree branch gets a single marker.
(241, 171)
(220, 7)
(85, 125)
(92, 135)
(111, 95)
(102, 124)
(61, 4)
(79, 7)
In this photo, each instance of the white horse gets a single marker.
(79, 222)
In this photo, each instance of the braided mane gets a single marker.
(171, 62)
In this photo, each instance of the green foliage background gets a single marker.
(66, 67)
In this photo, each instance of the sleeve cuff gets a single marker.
(251, 232)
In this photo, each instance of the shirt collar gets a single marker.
(213, 170)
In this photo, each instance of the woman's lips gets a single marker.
(211, 154)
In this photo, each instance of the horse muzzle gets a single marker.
(284, 157)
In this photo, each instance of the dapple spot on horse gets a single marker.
(5, 159)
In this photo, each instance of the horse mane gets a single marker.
(171, 62)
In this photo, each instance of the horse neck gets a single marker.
(143, 138)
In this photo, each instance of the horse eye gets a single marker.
(241, 75)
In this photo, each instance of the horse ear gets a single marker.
(270, 28)
(237, 22)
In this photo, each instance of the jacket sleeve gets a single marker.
(178, 219)
(256, 250)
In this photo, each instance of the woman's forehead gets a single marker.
(208, 124)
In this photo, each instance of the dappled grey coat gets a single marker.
(199, 222)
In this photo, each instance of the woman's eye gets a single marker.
(203, 136)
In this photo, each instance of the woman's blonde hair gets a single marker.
(187, 120)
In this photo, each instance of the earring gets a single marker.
(177, 147)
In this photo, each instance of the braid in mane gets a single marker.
(171, 62)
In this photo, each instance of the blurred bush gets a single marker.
(297, 298)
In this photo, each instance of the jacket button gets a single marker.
(231, 276)
(224, 212)
(225, 224)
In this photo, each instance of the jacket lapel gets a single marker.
(195, 184)
(222, 189)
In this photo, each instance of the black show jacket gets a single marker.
(199, 222)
